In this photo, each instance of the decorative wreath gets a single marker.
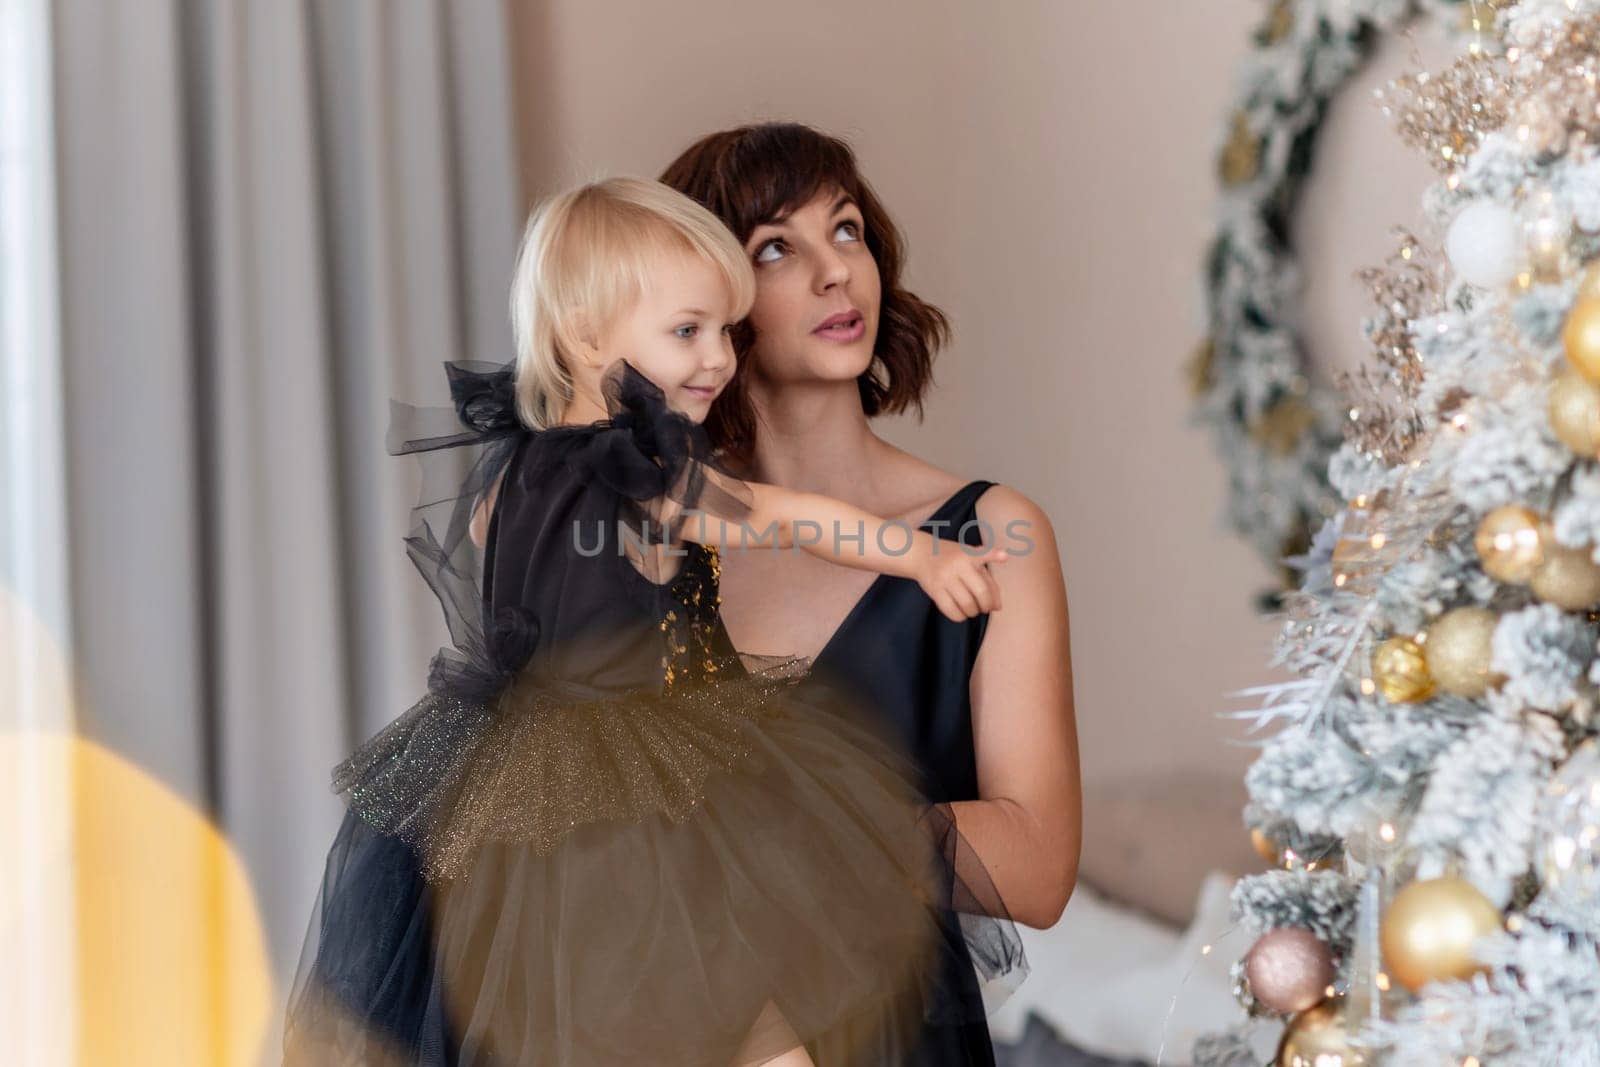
(1275, 428)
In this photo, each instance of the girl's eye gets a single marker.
(692, 328)
(853, 227)
(761, 253)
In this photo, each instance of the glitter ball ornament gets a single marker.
(1289, 969)
(1400, 671)
(1569, 578)
(1457, 649)
(1319, 1037)
(1485, 245)
(1429, 930)
(1575, 412)
(1581, 337)
(1510, 543)
(1569, 832)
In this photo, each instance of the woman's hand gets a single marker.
(958, 582)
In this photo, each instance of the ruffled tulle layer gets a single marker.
(709, 878)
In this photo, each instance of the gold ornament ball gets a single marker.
(1401, 671)
(1510, 543)
(1457, 651)
(1569, 578)
(1575, 412)
(1581, 337)
(1289, 969)
(1317, 1037)
(1428, 932)
(1265, 847)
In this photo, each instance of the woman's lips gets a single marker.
(850, 330)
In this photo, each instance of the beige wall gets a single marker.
(1050, 163)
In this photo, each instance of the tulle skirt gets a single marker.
(568, 878)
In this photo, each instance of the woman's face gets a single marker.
(817, 294)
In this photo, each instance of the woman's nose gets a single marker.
(831, 269)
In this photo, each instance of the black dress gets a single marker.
(909, 666)
(600, 839)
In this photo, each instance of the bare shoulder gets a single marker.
(910, 486)
(1021, 526)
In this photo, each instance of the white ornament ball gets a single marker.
(1485, 244)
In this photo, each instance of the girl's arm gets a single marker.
(958, 581)
(478, 529)
(1028, 827)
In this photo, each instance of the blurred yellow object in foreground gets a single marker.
(169, 963)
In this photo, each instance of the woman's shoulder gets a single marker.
(992, 501)
(999, 502)
(996, 505)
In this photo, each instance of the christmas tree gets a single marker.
(1428, 785)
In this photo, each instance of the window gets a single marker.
(37, 1012)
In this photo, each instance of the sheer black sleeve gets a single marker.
(657, 461)
(462, 450)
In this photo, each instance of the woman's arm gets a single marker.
(1028, 827)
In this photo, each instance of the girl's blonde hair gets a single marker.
(585, 256)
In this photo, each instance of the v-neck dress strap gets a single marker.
(900, 661)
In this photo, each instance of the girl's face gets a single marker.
(817, 294)
(678, 333)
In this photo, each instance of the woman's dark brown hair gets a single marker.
(753, 174)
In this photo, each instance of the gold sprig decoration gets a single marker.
(1384, 420)
(1447, 114)
(1379, 423)
(1406, 287)
(1555, 84)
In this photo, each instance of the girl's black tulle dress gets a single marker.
(603, 837)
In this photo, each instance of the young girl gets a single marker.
(602, 837)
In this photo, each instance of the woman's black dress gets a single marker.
(896, 655)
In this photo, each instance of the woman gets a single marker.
(984, 706)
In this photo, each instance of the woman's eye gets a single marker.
(691, 329)
(853, 228)
(761, 253)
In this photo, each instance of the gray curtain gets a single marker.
(274, 216)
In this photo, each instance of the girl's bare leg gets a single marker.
(771, 1030)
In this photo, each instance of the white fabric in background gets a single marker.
(1106, 977)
